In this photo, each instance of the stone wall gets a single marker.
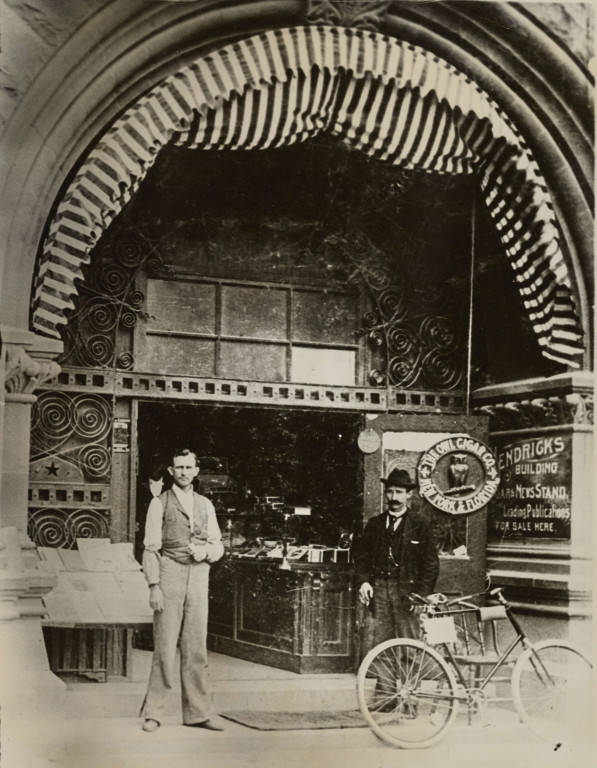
(573, 22)
(33, 30)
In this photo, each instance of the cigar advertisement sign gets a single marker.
(533, 499)
(458, 475)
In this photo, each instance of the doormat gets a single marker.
(296, 721)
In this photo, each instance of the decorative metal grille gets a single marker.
(73, 430)
(98, 334)
(52, 527)
(70, 468)
(415, 328)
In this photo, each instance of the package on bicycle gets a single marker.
(395, 556)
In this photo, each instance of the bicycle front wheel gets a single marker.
(407, 693)
(552, 691)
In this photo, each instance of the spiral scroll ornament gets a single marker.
(93, 417)
(128, 318)
(437, 332)
(401, 340)
(125, 361)
(403, 371)
(136, 299)
(375, 275)
(49, 528)
(88, 524)
(100, 315)
(113, 279)
(53, 421)
(60, 528)
(54, 415)
(129, 251)
(440, 370)
(392, 304)
(95, 461)
(370, 319)
(98, 350)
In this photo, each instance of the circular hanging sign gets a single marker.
(458, 475)
(368, 440)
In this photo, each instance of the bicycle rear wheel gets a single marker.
(407, 693)
(552, 684)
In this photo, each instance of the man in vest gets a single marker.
(182, 539)
(395, 557)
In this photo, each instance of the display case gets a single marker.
(300, 618)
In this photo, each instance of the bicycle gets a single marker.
(409, 693)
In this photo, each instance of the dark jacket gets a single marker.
(418, 558)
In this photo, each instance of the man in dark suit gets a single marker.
(395, 557)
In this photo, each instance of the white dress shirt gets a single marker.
(210, 550)
(395, 518)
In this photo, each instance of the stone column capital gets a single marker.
(27, 362)
(24, 374)
(558, 401)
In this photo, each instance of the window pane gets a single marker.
(257, 312)
(181, 306)
(257, 362)
(176, 354)
(323, 366)
(330, 318)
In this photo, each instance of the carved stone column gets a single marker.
(31, 695)
(540, 523)
(30, 692)
(26, 362)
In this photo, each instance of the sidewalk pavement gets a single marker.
(120, 743)
(98, 728)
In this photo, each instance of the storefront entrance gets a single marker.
(278, 478)
(291, 490)
(300, 458)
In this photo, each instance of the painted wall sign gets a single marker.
(534, 496)
(458, 475)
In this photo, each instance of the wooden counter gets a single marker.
(301, 620)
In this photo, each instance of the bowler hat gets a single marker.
(398, 478)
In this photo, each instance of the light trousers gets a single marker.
(183, 621)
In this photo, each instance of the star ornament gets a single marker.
(52, 469)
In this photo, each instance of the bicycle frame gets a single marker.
(521, 638)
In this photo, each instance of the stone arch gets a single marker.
(137, 51)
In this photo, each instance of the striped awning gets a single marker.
(392, 100)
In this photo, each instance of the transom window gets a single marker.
(249, 330)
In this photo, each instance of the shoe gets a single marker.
(209, 725)
(150, 725)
